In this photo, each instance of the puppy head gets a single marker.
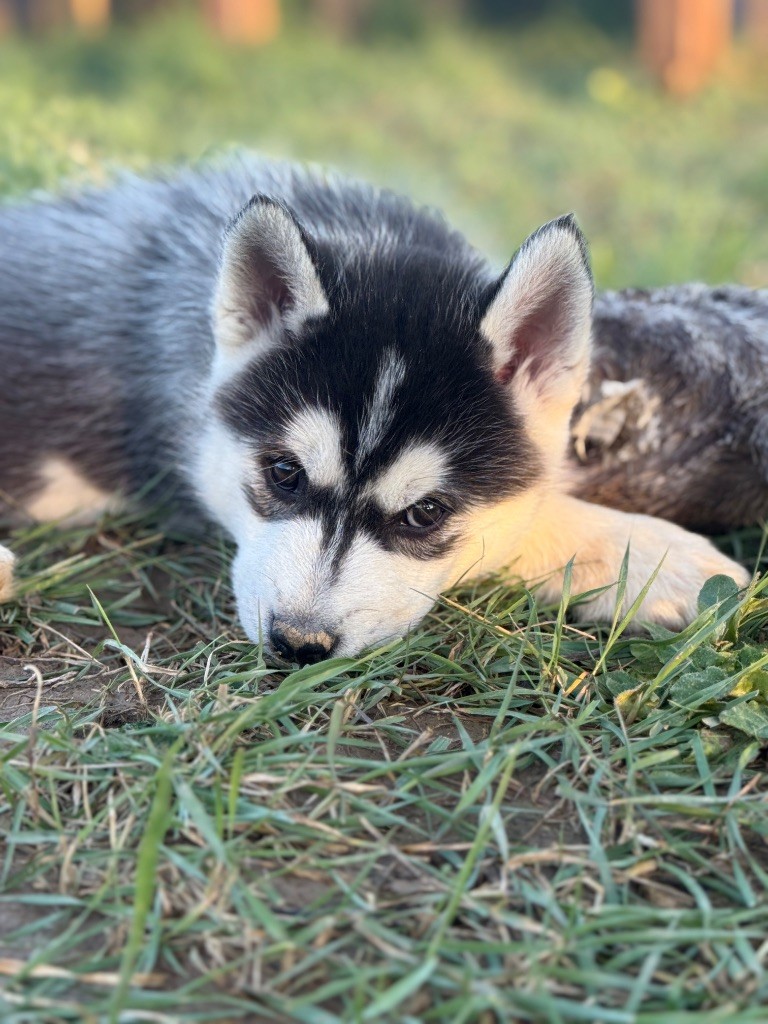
(374, 411)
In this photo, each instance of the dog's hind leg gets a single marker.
(7, 560)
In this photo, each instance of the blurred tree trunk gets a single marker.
(244, 21)
(682, 41)
(91, 15)
(7, 19)
(756, 23)
(249, 21)
(34, 15)
(42, 15)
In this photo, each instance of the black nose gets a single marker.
(295, 643)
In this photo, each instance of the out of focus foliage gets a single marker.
(407, 19)
(503, 127)
(614, 16)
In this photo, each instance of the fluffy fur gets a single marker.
(332, 374)
(674, 421)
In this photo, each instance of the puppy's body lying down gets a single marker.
(335, 376)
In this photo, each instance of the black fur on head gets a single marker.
(419, 306)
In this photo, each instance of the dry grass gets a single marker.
(469, 825)
(501, 818)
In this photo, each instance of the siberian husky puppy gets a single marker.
(336, 377)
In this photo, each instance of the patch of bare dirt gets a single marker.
(21, 689)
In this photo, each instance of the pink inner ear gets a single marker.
(266, 286)
(535, 341)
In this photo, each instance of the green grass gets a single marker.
(500, 818)
(469, 822)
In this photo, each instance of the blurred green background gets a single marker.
(504, 115)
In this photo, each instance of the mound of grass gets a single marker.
(500, 818)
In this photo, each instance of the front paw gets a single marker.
(7, 561)
(672, 600)
(687, 562)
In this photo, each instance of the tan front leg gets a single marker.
(597, 537)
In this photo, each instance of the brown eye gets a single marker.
(286, 474)
(423, 515)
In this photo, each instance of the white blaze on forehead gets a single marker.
(414, 474)
(66, 494)
(380, 410)
(303, 567)
(314, 437)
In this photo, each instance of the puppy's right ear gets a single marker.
(538, 324)
(268, 283)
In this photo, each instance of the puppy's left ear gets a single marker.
(538, 323)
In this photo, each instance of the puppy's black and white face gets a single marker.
(379, 420)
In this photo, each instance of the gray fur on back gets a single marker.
(105, 312)
(89, 340)
(106, 343)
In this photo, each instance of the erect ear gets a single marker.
(539, 322)
(267, 280)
